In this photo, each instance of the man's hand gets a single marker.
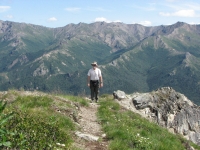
(88, 84)
(101, 85)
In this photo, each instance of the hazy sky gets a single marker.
(58, 13)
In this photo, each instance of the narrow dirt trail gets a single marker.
(89, 125)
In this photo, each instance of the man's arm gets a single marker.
(88, 80)
(101, 81)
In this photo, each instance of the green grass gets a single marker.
(81, 100)
(34, 102)
(127, 130)
(4, 118)
(37, 124)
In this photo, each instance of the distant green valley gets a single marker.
(132, 57)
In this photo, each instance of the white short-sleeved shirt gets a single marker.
(94, 74)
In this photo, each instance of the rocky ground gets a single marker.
(91, 137)
(167, 108)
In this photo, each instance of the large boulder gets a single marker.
(169, 109)
(119, 95)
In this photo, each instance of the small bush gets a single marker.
(4, 132)
(37, 126)
(35, 133)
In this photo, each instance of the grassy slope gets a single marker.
(41, 121)
(127, 130)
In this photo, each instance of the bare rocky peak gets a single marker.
(102, 27)
(5, 26)
(166, 30)
(15, 27)
(6, 29)
(172, 30)
(11, 34)
(167, 108)
(116, 35)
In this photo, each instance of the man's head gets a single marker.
(94, 64)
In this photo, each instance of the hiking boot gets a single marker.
(96, 101)
(91, 101)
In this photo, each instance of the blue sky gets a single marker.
(58, 13)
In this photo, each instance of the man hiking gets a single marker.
(95, 81)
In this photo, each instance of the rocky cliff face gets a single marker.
(167, 108)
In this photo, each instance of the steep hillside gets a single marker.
(163, 59)
(132, 57)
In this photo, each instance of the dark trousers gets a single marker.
(94, 88)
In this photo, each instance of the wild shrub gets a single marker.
(33, 132)
(36, 126)
(4, 132)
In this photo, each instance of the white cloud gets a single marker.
(73, 9)
(101, 19)
(193, 23)
(185, 13)
(4, 8)
(52, 19)
(180, 13)
(145, 23)
(9, 16)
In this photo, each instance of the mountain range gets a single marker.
(132, 57)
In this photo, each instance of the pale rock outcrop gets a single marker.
(86, 136)
(41, 70)
(167, 108)
(119, 94)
